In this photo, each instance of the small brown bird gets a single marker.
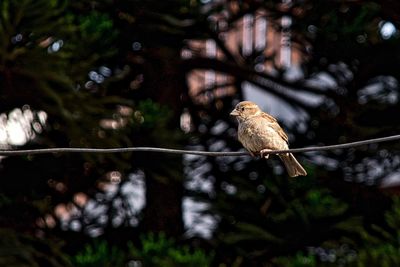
(259, 132)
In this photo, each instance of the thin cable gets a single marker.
(192, 152)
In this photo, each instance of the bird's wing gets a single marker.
(275, 125)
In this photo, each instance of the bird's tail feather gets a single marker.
(293, 167)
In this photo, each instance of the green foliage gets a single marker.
(286, 215)
(158, 250)
(96, 26)
(47, 50)
(154, 250)
(99, 254)
(376, 246)
(393, 216)
(382, 246)
(251, 232)
(299, 260)
(385, 255)
(148, 115)
(26, 53)
(23, 250)
(380, 255)
(320, 203)
(97, 33)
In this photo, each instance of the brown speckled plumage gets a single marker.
(260, 131)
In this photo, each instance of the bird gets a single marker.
(260, 132)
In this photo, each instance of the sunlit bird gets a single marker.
(259, 133)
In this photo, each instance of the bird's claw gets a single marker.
(264, 151)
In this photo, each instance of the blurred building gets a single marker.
(255, 39)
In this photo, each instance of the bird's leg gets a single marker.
(264, 151)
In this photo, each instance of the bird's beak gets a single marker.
(234, 113)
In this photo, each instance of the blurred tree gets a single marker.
(110, 74)
(261, 213)
(93, 94)
(38, 72)
(158, 250)
(378, 246)
(99, 254)
(17, 249)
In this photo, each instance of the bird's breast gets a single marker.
(256, 136)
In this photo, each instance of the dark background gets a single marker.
(106, 74)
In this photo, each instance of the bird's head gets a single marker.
(244, 110)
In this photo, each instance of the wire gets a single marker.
(192, 152)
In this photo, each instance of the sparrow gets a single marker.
(260, 132)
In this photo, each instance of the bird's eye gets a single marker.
(242, 108)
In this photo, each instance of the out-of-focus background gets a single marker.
(109, 74)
